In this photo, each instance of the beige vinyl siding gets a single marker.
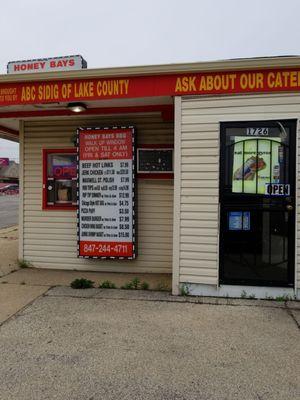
(50, 237)
(199, 168)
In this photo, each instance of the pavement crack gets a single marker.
(162, 300)
(22, 309)
(10, 273)
(290, 313)
(25, 284)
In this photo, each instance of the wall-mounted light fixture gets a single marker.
(77, 107)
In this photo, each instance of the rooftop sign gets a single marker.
(66, 63)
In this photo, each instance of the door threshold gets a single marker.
(237, 291)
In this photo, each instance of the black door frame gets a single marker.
(292, 124)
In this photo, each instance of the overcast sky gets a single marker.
(138, 32)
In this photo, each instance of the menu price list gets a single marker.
(106, 206)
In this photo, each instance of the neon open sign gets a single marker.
(64, 171)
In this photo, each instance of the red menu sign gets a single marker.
(106, 193)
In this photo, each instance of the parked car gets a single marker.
(9, 189)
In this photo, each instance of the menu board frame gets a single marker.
(133, 191)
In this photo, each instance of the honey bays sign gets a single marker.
(106, 172)
(65, 63)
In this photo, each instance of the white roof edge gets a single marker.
(233, 64)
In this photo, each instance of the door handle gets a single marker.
(289, 207)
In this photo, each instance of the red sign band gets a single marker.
(264, 80)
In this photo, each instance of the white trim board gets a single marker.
(177, 194)
(258, 292)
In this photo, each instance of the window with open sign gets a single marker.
(60, 179)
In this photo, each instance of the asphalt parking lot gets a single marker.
(89, 345)
(9, 207)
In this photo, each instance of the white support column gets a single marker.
(177, 196)
(297, 205)
(21, 189)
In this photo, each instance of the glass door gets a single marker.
(257, 195)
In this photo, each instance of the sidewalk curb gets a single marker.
(140, 295)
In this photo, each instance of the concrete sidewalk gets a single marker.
(104, 344)
(21, 287)
(114, 344)
(9, 210)
(8, 250)
(15, 297)
(50, 277)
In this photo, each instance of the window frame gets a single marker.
(46, 206)
(155, 175)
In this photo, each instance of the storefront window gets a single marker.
(255, 157)
(60, 179)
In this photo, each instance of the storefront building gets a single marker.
(187, 169)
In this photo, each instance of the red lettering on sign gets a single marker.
(113, 144)
(29, 66)
(106, 249)
(64, 172)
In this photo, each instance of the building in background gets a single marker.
(9, 173)
(9, 177)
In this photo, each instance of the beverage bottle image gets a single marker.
(276, 174)
(247, 170)
(281, 154)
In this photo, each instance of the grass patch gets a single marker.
(285, 297)
(184, 290)
(107, 285)
(145, 286)
(23, 264)
(136, 284)
(82, 283)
